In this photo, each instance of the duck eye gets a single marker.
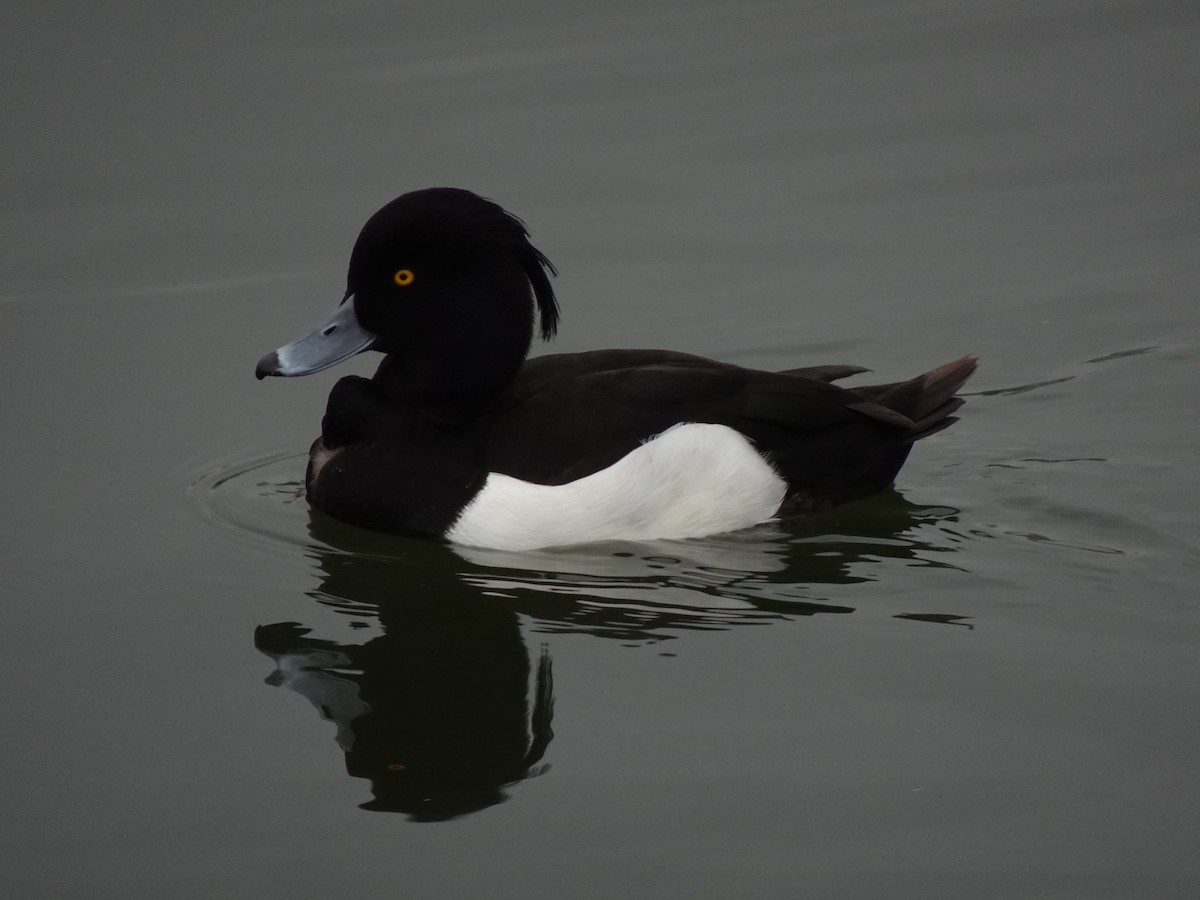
(403, 277)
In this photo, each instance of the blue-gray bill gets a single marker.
(337, 338)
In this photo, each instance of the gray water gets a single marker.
(982, 684)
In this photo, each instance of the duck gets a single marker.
(460, 436)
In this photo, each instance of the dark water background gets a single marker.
(982, 685)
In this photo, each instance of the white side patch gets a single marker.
(689, 481)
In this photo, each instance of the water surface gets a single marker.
(981, 684)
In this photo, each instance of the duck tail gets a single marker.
(923, 405)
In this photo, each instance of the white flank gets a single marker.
(689, 481)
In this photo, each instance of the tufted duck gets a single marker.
(458, 436)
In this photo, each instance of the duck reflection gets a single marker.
(442, 709)
(439, 711)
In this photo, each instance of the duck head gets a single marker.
(445, 283)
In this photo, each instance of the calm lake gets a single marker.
(983, 684)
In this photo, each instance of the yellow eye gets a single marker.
(403, 277)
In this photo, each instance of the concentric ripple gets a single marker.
(262, 496)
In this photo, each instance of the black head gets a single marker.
(425, 244)
(444, 282)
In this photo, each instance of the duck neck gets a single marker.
(446, 395)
